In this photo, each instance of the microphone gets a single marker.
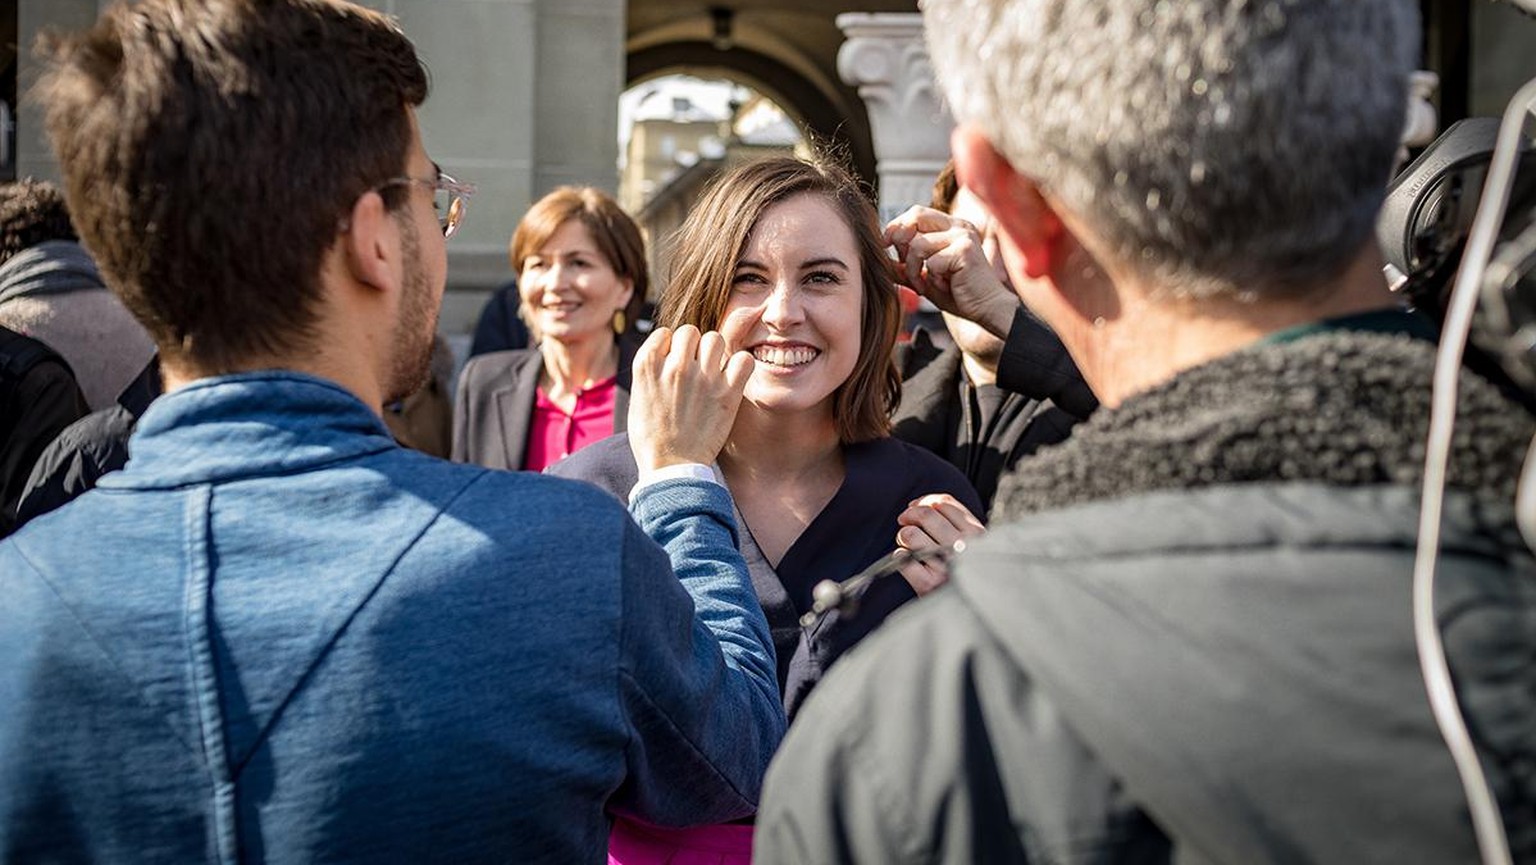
(843, 596)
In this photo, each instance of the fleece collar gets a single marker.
(1343, 407)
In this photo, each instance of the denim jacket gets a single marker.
(277, 636)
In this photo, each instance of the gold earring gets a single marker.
(618, 321)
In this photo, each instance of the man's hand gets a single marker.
(933, 521)
(683, 397)
(944, 259)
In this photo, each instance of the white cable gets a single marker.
(1525, 498)
(1486, 819)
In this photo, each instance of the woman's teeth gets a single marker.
(784, 356)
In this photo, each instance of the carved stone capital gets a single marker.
(886, 59)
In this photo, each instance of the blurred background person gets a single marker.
(951, 403)
(500, 325)
(582, 279)
(38, 399)
(51, 290)
(783, 257)
(87, 449)
(423, 421)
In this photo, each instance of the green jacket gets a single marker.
(1206, 653)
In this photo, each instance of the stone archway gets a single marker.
(825, 121)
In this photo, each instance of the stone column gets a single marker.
(580, 74)
(886, 59)
(525, 97)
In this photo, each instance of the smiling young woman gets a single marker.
(783, 258)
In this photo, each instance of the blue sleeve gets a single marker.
(698, 681)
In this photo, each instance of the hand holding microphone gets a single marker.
(933, 522)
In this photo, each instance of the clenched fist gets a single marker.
(683, 399)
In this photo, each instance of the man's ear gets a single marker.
(371, 243)
(1014, 200)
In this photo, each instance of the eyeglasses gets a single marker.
(448, 197)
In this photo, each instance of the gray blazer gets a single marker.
(494, 404)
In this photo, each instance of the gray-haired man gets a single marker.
(1198, 646)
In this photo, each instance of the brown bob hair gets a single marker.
(714, 236)
(211, 150)
(616, 235)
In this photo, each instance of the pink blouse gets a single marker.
(554, 435)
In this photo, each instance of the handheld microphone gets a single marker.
(843, 596)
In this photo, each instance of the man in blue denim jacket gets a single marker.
(277, 636)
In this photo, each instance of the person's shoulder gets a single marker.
(917, 354)
(506, 509)
(544, 491)
(887, 749)
(98, 432)
(492, 365)
(608, 464)
(517, 490)
(13, 563)
(925, 471)
(31, 365)
(49, 375)
(80, 454)
(1202, 526)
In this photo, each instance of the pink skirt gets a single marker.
(634, 843)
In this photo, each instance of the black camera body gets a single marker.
(1423, 230)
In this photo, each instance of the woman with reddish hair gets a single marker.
(582, 279)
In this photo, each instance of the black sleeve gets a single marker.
(52, 401)
(75, 461)
(1036, 364)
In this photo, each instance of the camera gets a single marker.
(1423, 230)
(1424, 226)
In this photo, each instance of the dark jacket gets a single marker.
(494, 404)
(982, 431)
(500, 328)
(53, 292)
(38, 399)
(423, 421)
(87, 449)
(1198, 646)
(855, 528)
(1036, 364)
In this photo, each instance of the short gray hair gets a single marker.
(1237, 147)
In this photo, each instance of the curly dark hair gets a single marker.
(32, 212)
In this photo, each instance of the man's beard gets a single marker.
(416, 325)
